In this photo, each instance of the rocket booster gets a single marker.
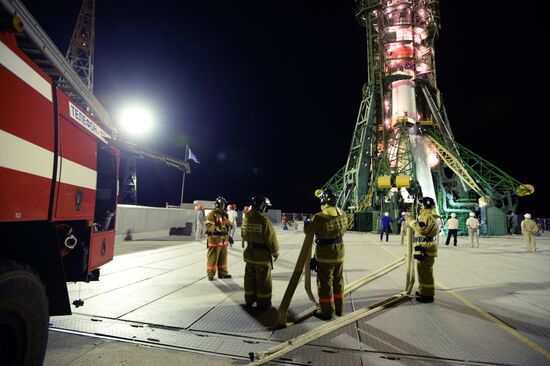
(407, 48)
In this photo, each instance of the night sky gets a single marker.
(266, 93)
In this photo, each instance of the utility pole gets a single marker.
(183, 179)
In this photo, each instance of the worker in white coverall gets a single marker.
(529, 228)
(452, 229)
(404, 220)
(473, 226)
(200, 221)
(232, 214)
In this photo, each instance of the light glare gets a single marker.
(136, 120)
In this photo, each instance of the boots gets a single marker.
(321, 316)
(423, 299)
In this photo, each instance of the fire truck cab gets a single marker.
(58, 194)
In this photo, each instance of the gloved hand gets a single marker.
(231, 241)
(313, 264)
(275, 256)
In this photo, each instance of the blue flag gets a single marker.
(192, 156)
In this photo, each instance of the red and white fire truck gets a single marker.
(58, 192)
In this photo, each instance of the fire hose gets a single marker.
(260, 358)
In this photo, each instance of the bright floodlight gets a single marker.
(136, 120)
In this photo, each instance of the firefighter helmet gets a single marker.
(220, 202)
(261, 203)
(472, 214)
(327, 197)
(427, 202)
(527, 216)
(453, 215)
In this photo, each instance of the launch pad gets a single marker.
(491, 305)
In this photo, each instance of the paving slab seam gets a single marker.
(534, 346)
(454, 361)
(139, 307)
(157, 345)
(154, 343)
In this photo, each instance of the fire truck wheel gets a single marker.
(23, 316)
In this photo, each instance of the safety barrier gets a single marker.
(145, 222)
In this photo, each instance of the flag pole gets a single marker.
(183, 179)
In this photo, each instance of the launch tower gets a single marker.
(403, 146)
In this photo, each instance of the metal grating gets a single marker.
(162, 297)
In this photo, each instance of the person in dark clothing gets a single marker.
(386, 221)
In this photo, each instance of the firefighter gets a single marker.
(328, 228)
(425, 229)
(529, 228)
(262, 245)
(217, 229)
(473, 226)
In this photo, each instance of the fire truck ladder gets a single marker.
(39, 47)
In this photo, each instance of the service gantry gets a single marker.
(403, 146)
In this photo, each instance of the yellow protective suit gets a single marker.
(328, 228)
(217, 229)
(425, 229)
(262, 244)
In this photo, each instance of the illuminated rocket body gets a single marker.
(407, 53)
